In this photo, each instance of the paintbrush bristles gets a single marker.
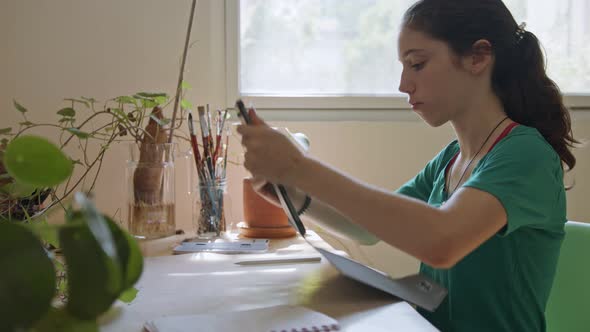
(191, 127)
(203, 123)
(211, 166)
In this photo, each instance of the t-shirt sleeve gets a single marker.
(420, 187)
(525, 175)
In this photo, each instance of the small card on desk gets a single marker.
(231, 247)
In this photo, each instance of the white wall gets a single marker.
(69, 48)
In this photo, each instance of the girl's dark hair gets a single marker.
(519, 79)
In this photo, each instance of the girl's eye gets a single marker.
(419, 66)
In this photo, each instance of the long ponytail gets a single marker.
(533, 99)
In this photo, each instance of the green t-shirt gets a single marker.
(504, 284)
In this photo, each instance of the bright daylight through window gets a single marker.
(348, 48)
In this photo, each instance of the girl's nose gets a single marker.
(405, 85)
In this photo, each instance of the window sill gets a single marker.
(364, 115)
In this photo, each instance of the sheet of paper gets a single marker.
(278, 318)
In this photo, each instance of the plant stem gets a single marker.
(82, 125)
(96, 175)
(98, 159)
(20, 132)
(181, 74)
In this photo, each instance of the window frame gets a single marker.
(380, 105)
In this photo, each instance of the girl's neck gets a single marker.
(475, 124)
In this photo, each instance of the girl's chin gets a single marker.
(430, 120)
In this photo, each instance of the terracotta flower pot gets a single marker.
(262, 218)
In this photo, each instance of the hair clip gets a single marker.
(520, 31)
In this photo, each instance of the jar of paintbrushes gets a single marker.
(210, 163)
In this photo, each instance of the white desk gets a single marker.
(207, 283)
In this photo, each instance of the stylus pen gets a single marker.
(279, 189)
(280, 260)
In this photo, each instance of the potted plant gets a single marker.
(118, 119)
(103, 261)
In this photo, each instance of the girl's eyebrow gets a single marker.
(411, 51)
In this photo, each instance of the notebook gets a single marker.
(280, 318)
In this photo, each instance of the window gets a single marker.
(334, 53)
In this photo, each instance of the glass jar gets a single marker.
(208, 212)
(151, 190)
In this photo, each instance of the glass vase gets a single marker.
(151, 190)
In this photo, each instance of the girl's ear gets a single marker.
(481, 57)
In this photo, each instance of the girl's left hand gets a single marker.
(269, 154)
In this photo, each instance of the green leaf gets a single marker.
(129, 295)
(83, 102)
(93, 283)
(98, 225)
(26, 123)
(17, 189)
(148, 103)
(90, 100)
(5, 131)
(119, 113)
(161, 122)
(185, 104)
(27, 281)
(68, 111)
(185, 86)
(35, 161)
(102, 279)
(45, 231)
(60, 320)
(126, 100)
(151, 95)
(128, 252)
(19, 107)
(161, 100)
(133, 262)
(78, 133)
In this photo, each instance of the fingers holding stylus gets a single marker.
(254, 117)
(268, 153)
